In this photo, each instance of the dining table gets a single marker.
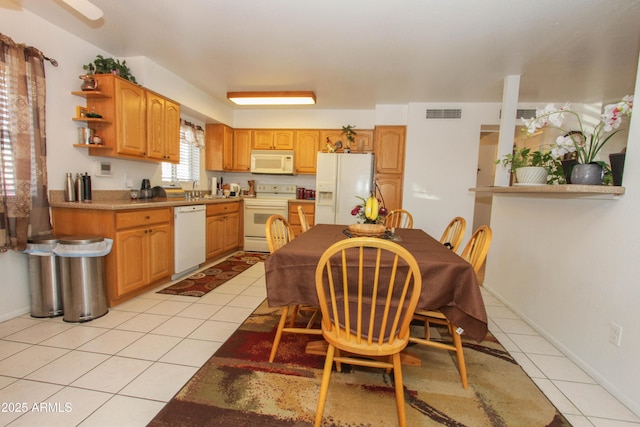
(449, 283)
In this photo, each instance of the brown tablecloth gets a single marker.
(449, 283)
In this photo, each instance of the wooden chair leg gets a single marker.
(397, 376)
(294, 314)
(457, 342)
(324, 385)
(276, 339)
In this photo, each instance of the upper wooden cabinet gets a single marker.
(272, 139)
(389, 149)
(136, 123)
(163, 129)
(241, 150)
(130, 118)
(363, 138)
(306, 147)
(227, 149)
(218, 137)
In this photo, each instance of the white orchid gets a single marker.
(586, 144)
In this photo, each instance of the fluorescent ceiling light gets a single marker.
(86, 8)
(272, 98)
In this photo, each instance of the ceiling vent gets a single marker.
(451, 113)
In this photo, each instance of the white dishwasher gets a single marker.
(190, 229)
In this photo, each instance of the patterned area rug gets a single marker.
(239, 387)
(199, 284)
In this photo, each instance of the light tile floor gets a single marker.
(122, 368)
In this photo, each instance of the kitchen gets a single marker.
(426, 191)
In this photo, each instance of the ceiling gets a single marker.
(358, 53)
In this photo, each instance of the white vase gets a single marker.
(532, 175)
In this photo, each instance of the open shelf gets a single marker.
(568, 190)
(102, 146)
(91, 120)
(90, 94)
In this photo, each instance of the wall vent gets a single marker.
(525, 114)
(451, 113)
(522, 114)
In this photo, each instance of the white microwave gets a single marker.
(275, 162)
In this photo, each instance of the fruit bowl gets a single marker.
(367, 230)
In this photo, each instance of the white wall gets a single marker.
(569, 266)
(71, 53)
(441, 163)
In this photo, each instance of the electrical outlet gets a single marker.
(615, 334)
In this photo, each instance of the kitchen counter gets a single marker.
(104, 202)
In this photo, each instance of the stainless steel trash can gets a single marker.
(45, 285)
(82, 273)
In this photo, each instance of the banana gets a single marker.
(371, 208)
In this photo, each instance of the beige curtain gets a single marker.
(24, 206)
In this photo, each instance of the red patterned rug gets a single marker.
(198, 284)
(239, 387)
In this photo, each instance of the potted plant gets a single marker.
(348, 132)
(102, 65)
(533, 167)
(585, 143)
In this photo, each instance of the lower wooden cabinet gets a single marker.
(142, 253)
(223, 228)
(141, 257)
(390, 186)
(309, 211)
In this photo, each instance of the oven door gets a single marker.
(256, 213)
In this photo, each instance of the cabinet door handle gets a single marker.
(147, 217)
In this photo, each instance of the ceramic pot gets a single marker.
(532, 175)
(88, 82)
(589, 174)
(567, 166)
(616, 160)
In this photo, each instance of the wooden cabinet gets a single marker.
(272, 139)
(363, 137)
(142, 253)
(389, 150)
(227, 149)
(218, 147)
(163, 129)
(389, 155)
(391, 188)
(223, 228)
(136, 123)
(309, 211)
(241, 150)
(142, 257)
(306, 147)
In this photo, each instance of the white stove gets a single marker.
(271, 199)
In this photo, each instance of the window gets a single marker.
(191, 142)
(6, 152)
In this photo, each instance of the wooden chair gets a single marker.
(475, 253)
(279, 233)
(304, 224)
(453, 234)
(399, 218)
(370, 330)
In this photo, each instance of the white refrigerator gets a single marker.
(340, 180)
